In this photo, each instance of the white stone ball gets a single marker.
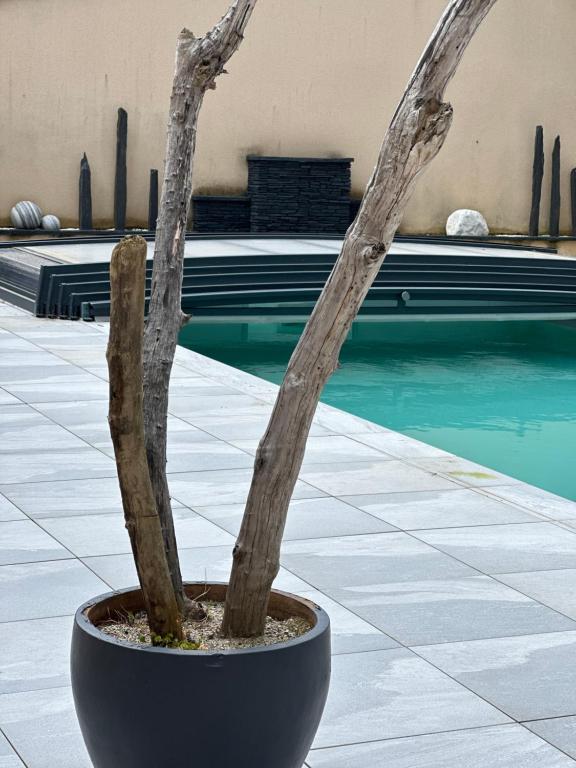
(26, 215)
(467, 223)
(51, 223)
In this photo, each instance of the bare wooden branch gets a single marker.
(124, 355)
(413, 139)
(198, 64)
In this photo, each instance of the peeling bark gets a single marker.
(414, 137)
(199, 61)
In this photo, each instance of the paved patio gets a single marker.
(451, 588)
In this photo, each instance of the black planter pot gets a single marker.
(163, 708)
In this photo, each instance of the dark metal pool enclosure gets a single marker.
(257, 278)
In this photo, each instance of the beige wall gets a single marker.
(314, 77)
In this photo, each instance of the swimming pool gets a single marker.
(499, 393)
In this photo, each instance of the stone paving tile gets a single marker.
(389, 694)
(372, 477)
(40, 590)
(560, 731)
(59, 387)
(327, 449)
(400, 446)
(23, 541)
(426, 612)
(64, 498)
(93, 535)
(7, 399)
(377, 558)
(349, 633)
(198, 564)
(230, 486)
(8, 511)
(57, 464)
(439, 509)
(307, 519)
(8, 758)
(464, 471)
(209, 404)
(241, 424)
(531, 677)
(42, 726)
(35, 654)
(507, 548)
(556, 589)
(506, 746)
(536, 500)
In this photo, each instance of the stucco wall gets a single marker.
(314, 77)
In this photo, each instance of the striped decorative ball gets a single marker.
(26, 215)
(51, 223)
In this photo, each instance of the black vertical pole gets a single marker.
(153, 199)
(537, 174)
(573, 199)
(120, 189)
(85, 195)
(555, 190)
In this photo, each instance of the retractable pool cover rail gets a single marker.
(285, 286)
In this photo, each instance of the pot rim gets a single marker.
(83, 622)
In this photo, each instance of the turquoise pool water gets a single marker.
(500, 393)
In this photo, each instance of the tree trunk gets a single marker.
(414, 137)
(124, 355)
(198, 64)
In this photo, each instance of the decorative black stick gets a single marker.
(85, 195)
(555, 190)
(120, 189)
(153, 199)
(537, 174)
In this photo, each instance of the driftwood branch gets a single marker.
(199, 61)
(414, 137)
(124, 355)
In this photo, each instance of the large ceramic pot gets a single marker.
(145, 707)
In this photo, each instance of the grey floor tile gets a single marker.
(328, 449)
(42, 726)
(189, 406)
(184, 456)
(464, 471)
(389, 694)
(8, 511)
(57, 464)
(35, 654)
(307, 519)
(560, 731)
(372, 477)
(94, 535)
(60, 387)
(229, 486)
(64, 498)
(401, 446)
(350, 634)
(8, 758)
(197, 388)
(440, 509)
(377, 558)
(506, 746)
(40, 590)
(556, 589)
(507, 548)
(198, 564)
(536, 500)
(246, 423)
(444, 611)
(530, 677)
(23, 541)
(7, 399)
